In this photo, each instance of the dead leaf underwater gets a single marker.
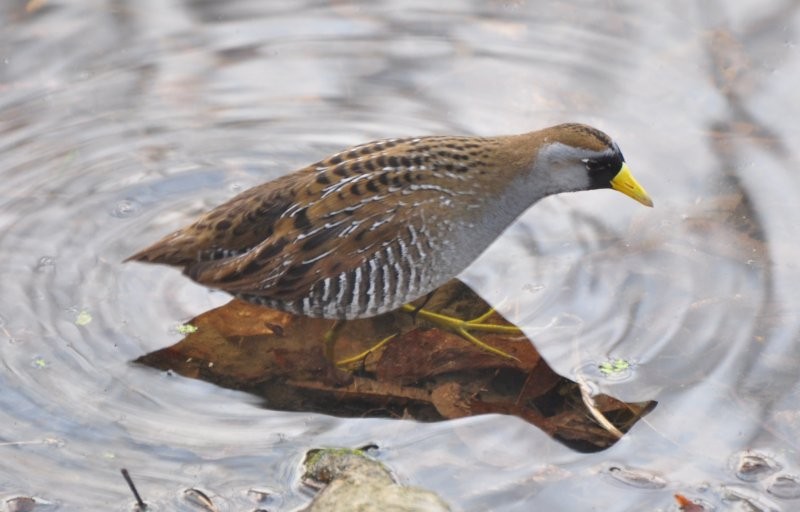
(423, 373)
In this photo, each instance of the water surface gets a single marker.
(120, 122)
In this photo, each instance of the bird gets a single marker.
(376, 226)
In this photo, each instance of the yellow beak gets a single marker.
(624, 182)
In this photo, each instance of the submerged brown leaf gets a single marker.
(424, 372)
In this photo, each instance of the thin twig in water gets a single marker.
(588, 401)
(141, 504)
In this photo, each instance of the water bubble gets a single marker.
(21, 503)
(752, 499)
(753, 466)
(45, 265)
(265, 497)
(199, 498)
(638, 478)
(126, 208)
(786, 487)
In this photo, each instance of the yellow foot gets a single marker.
(363, 355)
(332, 334)
(462, 327)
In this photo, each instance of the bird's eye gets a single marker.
(602, 164)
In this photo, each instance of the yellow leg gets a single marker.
(330, 339)
(456, 325)
(462, 327)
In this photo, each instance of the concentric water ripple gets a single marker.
(119, 125)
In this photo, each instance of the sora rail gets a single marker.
(381, 224)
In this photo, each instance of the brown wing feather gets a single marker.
(289, 262)
(284, 236)
(233, 227)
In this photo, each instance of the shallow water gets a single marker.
(122, 121)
